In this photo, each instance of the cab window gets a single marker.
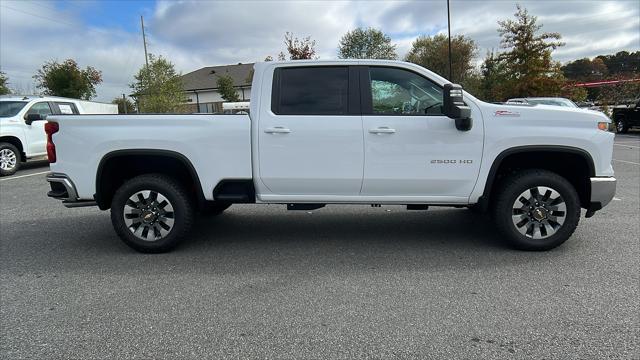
(66, 108)
(41, 108)
(310, 91)
(401, 92)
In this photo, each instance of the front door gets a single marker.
(36, 137)
(310, 139)
(411, 148)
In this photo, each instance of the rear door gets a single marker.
(411, 148)
(310, 138)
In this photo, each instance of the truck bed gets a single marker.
(218, 146)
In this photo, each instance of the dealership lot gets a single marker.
(346, 282)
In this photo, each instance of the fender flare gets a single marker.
(486, 194)
(152, 152)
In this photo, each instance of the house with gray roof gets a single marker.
(202, 89)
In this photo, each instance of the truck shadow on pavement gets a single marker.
(238, 241)
(437, 228)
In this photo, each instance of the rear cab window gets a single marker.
(66, 108)
(311, 90)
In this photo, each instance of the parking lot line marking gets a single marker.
(627, 162)
(23, 176)
(627, 142)
(629, 146)
(616, 199)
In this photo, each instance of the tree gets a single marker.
(366, 44)
(68, 80)
(619, 66)
(494, 77)
(226, 89)
(585, 69)
(432, 52)
(125, 106)
(619, 93)
(531, 70)
(622, 63)
(158, 88)
(299, 49)
(4, 89)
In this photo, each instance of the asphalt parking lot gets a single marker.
(343, 282)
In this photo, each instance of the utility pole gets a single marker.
(144, 41)
(124, 103)
(449, 26)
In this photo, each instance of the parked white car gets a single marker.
(339, 132)
(22, 138)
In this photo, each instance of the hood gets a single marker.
(542, 112)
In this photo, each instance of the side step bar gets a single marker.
(76, 204)
(305, 206)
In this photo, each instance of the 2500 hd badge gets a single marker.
(452, 161)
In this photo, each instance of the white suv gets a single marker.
(21, 137)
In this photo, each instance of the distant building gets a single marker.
(202, 89)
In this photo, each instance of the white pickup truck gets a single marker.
(339, 132)
(21, 137)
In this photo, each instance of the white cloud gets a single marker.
(196, 34)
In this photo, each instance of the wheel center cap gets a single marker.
(148, 216)
(539, 214)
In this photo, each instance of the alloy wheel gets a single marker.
(149, 215)
(8, 159)
(539, 212)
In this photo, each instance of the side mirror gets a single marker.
(454, 107)
(30, 118)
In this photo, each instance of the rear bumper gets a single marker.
(62, 188)
(602, 191)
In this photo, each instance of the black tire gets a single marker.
(167, 189)
(621, 126)
(476, 209)
(504, 208)
(214, 208)
(10, 159)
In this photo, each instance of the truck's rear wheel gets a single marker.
(536, 210)
(152, 213)
(9, 159)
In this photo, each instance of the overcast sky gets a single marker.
(106, 34)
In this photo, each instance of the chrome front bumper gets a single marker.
(62, 188)
(602, 191)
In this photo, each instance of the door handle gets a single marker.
(382, 130)
(277, 130)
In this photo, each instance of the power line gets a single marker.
(43, 6)
(38, 16)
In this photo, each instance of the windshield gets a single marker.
(11, 108)
(555, 102)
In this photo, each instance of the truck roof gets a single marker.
(260, 66)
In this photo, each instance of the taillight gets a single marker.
(51, 128)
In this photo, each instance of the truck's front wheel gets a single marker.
(536, 209)
(9, 159)
(152, 213)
